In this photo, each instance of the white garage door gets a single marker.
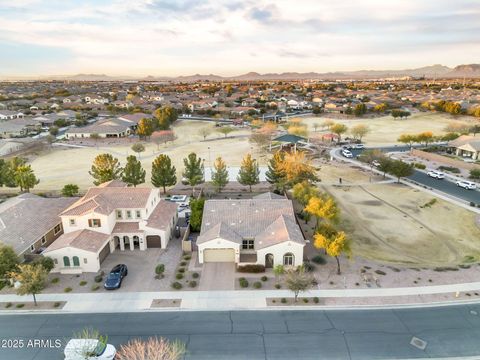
(219, 255)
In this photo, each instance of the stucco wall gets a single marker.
(218, 244)
(92, 264)
(279, 250)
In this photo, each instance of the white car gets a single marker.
(376, 163)
(436, 174)
(466, 184)
(89, 349)
(347, 153)
(359, 146)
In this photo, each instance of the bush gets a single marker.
(316, 300)
(264, 278)
(243, 282)
(420, 166)
(67, 289)
(278, 286)
(187, 257)
(475, 174)
(183, 263)
(82, 283)
(8, 305)
(192, 283)
(57, 304)
(159, 269)
(55, 280)
(283, 300)
(305, 300)
(95, 287)
(319, 259)
(179, 276)
(176, 285)
(46, 262)
(257, 285)
(449, 168)
(181, 270)
(472, 204)
(253, 268)
(19, 306)
(380, 272)
(195, 275)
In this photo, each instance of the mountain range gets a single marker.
(433, 71)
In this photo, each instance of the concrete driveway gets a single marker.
(218, 276)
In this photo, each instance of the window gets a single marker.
(44, 240)
(72, 222)
(129, 214)
(66, 261)
(76, 261)
(248, 244)
(57, 229)
(85, 260)
(138, 214)
(94, 223)
(32, 248)
(119, 214)
(288, 259)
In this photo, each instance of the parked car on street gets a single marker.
(466, 184)
(115, 277)
(436, 174)
(88, 349)
(347, 153)
(376, 163)
(359, 146)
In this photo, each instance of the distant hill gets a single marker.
(432, 71)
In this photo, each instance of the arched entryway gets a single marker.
(136, 241)
(116, 242)
(269, 260)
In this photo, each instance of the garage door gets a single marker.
(219, 255)
(153, 241)
(104, 253)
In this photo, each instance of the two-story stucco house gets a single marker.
(111, 217)
(262, 230)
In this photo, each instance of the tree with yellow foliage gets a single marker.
(322, 207)
(299, 130)
(297, 168)
(334, 244)
(303, 192)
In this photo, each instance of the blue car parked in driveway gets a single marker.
(115, 277)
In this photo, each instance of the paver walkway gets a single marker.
(218, 276)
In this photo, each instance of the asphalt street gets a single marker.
(445, 186)
(333, 334)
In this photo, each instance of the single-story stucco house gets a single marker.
(466, 146)
(111, 217)
(262, 230)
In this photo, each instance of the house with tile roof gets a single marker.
(111, 217)
(466, 146)
(262, 230)
(107, 128)
(28, 230)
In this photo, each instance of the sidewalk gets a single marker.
(250, 299)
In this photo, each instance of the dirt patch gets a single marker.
(30, 305)
(165, 303)
(290, 301)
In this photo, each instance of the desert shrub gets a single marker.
(472, 204)
(278, 286)
(252, 268)
(419, 166)
(57, 304)
(257, 285)
(183, 263)
(159, 269)
(192, 283)
(95, 287)
(19, 306)
(316, 300)
(449, 168)
(187, 257)
(47, 263)
(98, 278)
(179, 276)
(67, 289)
(308, 267)
(55, 280)
(8, 305)
(243, 282)
(195, 275)
(380, 272)
(82, 283)
(176, 285)
(264, 278)
(319, 259)
(181, 270)
(305, 300)
(283, 300)
(475, 174)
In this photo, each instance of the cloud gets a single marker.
(174, 37)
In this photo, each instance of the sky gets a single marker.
(184, 37)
